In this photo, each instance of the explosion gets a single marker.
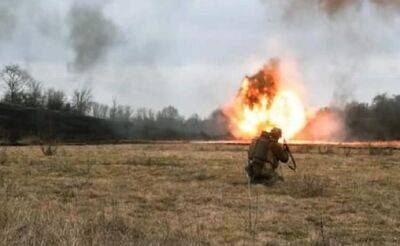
(262, 104)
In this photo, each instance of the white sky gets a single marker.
(192, 54)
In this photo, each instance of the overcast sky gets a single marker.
(193, 53)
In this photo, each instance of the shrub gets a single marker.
(308, 186)
(49, 149)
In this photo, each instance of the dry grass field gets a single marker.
(195, 194)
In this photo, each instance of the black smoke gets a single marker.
(334, 7)
(8, 20)
(92, 34)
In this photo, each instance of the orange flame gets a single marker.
(261, 104)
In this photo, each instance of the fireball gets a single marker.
(262, 104)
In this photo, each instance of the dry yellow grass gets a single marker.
(194, 194)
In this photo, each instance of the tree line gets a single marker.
(379, 120)
(20, 88)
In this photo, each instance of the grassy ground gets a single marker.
(186, 194)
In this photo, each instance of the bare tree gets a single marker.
(55, 99)
(144, 115)
(95, 112)
(82, 101)
(14, 79)
(104, 109)
(34, 95)
(169, 118)
(113, 110)
(194, 124)
(100, 110)
(127, 114)
(123, 113)
(168, 113)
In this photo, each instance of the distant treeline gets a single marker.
(379, 120)
(35, 125)
(29, 109)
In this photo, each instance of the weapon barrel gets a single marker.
(291, 157)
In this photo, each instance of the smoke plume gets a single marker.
(92, 35)
(338, 42)
(7, 20)
(265, 82)
(327, 124)
(334, 7)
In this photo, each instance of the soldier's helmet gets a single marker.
(276, 133)
(264, 134)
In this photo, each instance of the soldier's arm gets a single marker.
(280, 153)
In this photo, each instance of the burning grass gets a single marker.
(185, 194)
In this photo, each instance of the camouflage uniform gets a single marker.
(264, 156)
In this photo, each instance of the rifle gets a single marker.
(294, 167)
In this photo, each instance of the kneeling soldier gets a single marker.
(264, 156)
